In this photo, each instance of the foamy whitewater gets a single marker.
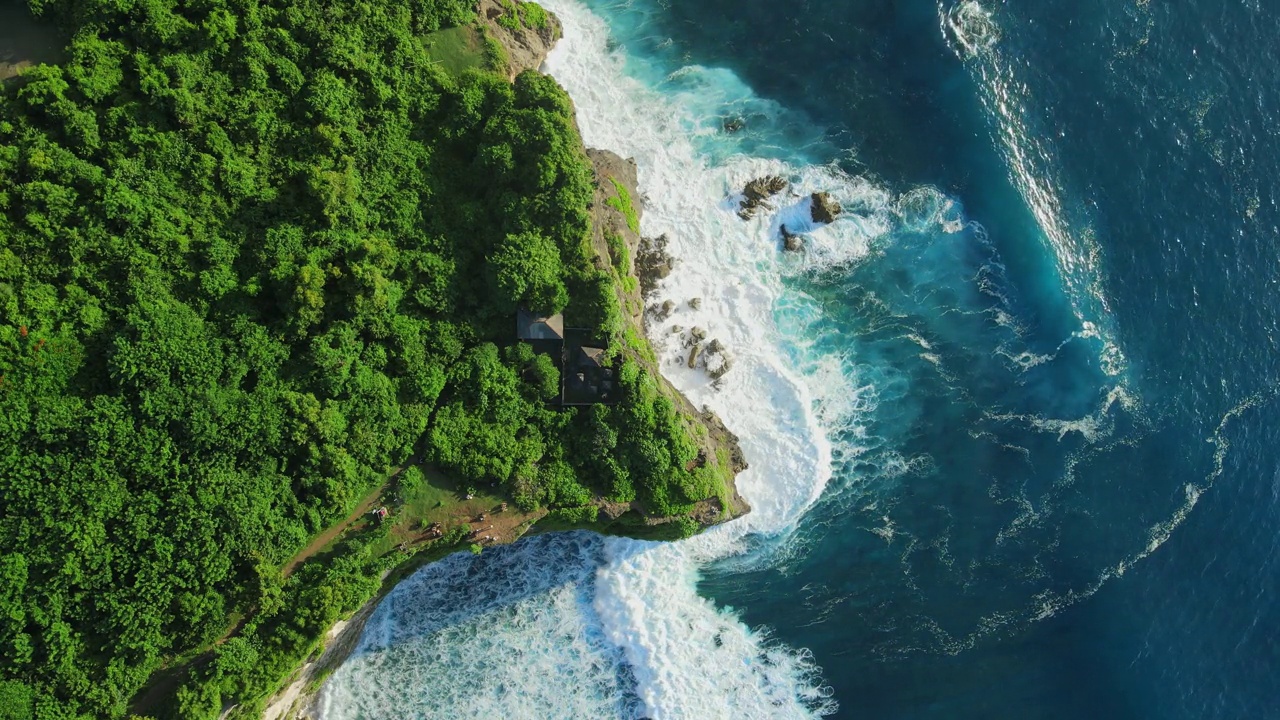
(618, 624)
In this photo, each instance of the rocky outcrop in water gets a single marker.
(790, 241)
(757, 193)
(717, 360)
(824, 208)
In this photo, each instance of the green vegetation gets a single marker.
(495, 56)
(525, 14)
(618, 252)
(253, 256)
(457, 49)
(622, 203)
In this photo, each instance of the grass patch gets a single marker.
(457, 49)
(495, 56)
(622, 203)
(533, 16)
(569, 519)
(425, 496)
(618, 252)
(523, 15)
(510, 18)
(639, 345)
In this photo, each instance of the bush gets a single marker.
(622, 203)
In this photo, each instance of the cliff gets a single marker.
(525, 35)
(616, 212)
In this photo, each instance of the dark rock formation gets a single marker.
(653, 262)
(757, 193)
(661, 312)
(693, 356)
(824, 208)
(790, 241)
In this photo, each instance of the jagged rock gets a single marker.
(824, 208)
(719, 369)
(698, 334)
(693, 356)
(716, 359)
(653, 262)
(696, 303)
(733, 124)
(661, 312)
(790, 241)
(757, 193)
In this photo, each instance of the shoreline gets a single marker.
(616, 178)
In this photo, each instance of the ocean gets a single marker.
(1011, 418)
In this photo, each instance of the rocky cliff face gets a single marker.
(527, 46)
(718, 443)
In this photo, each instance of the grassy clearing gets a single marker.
(425, 496)
(457, 49)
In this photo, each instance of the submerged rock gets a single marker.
(696, 303)
(824, 208)
(757, 193)
(790, 241)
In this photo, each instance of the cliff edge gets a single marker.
(615, 237)
(524, 30)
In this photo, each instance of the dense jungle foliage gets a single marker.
(254, 254)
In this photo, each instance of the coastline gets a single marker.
(615, 212)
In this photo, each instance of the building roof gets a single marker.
(591, 357)
(536, 327)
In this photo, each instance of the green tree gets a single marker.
(528, 271)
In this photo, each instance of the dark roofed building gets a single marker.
(536, 327)
(586, 379)
(589, 358)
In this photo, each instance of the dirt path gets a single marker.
(323, 539)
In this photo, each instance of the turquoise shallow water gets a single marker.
(1032, 372)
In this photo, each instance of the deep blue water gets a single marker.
(1066, 502)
